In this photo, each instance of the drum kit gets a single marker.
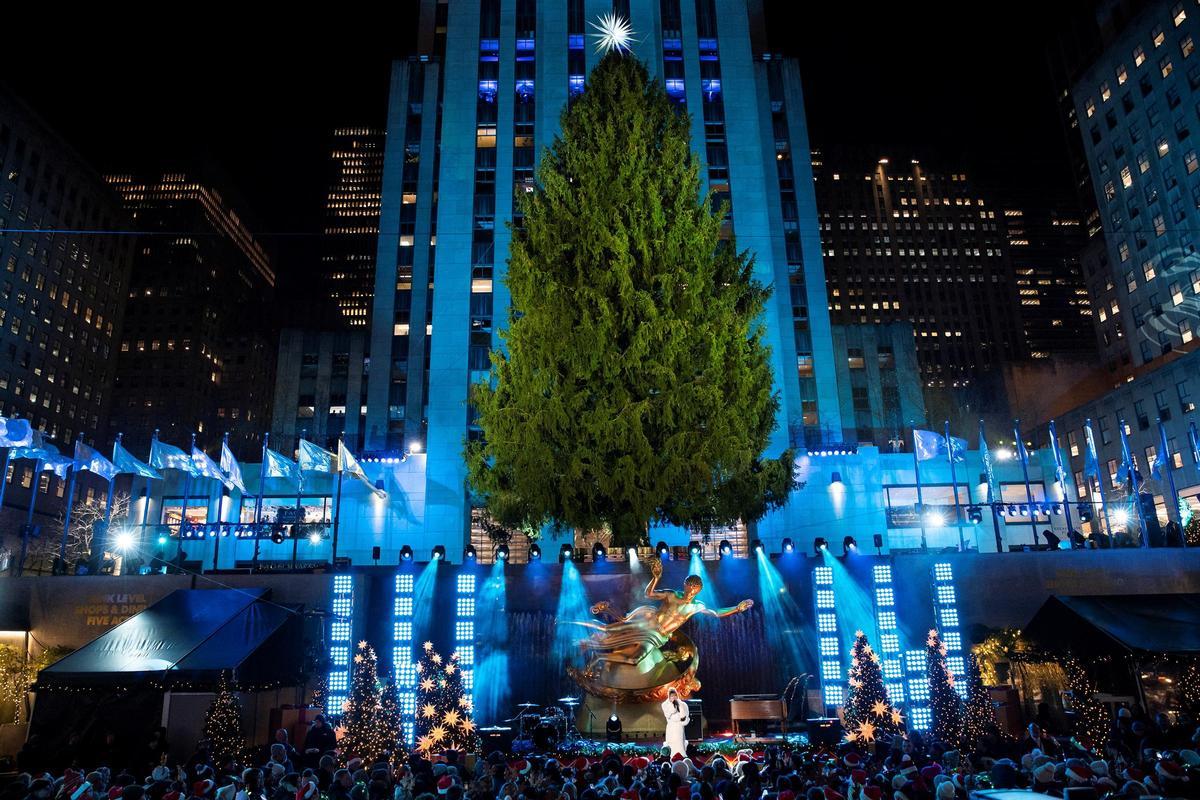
(547, 727)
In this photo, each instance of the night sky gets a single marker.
(260, 101)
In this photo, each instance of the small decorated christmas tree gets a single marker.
(223, 724)
(1091, 718)
(363, 732)
(390, 717)
(944, 702)
(868, 712)
(979, 716)
(444, 707)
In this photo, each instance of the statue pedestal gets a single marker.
(640, 722)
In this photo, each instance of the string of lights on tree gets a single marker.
(444, 708)
(944, 702)
(223, 724)
(362, 731)
(868, 712)
(979, 716)
(390, 715)
(1091, 717)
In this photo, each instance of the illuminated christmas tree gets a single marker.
(363, 731)
(867, 712)
(223, 724)
(390, 716)
(1091, 718)
(1189, 685)
(444, 707)
(979, 716)
(944, 702)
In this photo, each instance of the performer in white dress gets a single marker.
(676, 713)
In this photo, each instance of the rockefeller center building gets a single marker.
(500, 73)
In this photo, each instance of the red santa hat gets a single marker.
(1169, 770)
(354, 765)
(1078, 771)
(202, 788)
(444, 784)
(580, 763)
(521, 766)
(852, 760)
(307, 790)
(677, 757)
(858, 777)
(745, 755)
(639, 762)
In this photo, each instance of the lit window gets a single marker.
(1165, 66)
(1148, 266)
(1160, 225)
(1185, 330)
(1126, 177)
(1139, 56)
(1122, 75)
(1105, 92)
(1157, 36)
(1178, 15)
(1090, 108)
(1163, 147)
(1186, 46)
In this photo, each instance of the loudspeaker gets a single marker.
(496, 740)
(825, 730)
(375, 553)
(694, 730)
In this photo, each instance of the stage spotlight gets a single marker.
(162, 540)
(535, 552)
(277, 536)
(314, 538)
(849, 545)
(725, 548)
(694, 548)
(1051, 538)
(975, 514)
(835, 478)
(469, 553)
(756, 546)
(1085, 512)
(502, 553)
(565, 553)
(819, 545)
(631, 554)
(1120, 518)
(123, 540)
(612, 728)
(935, 519)
(439, 552)
(406, 553)
(788, 545)
(662, 550)
(598, 552)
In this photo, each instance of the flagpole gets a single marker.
(37, 475)
(299, 491)
(920, 500)
(337, 504)
(258, 502)
(62, 550)
(1091, 444)
(1023, 455)
(4, 476)
(146, 505)
(1131, 471)
(1062, 480)
(1170, 467)
(991, 495)
(187, 498)
(962, 545)
(112, 486)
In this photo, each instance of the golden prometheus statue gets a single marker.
(639, 657)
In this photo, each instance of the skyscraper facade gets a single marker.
(1137, 110)
(64, 280)
(197, 352)
(905, 243)
(351, 222)
(466, 120)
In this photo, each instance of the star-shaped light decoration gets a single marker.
(436, 658)
(454, 656)
(465, 702)
(450, 669)
(866, 732)
(428, 646)
(613, 32)
(358, 658)
(425, 743)
(896, 718)
(467, 725)
(428, 711)
(851, 736)
(879, 709)
(363, 645)
(931, 639)
(452, 718)
(427, 685)
(437, 733)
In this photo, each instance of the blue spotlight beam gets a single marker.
(341, 629)
(404, 669)
(708, 594)
(786, 627)
(572, 607)
(491, 692)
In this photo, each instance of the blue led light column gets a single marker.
(464, 628)
(920, 716)
(404, 669)
(341, 627)
(833, 689)
(889, 634)
(945, 613)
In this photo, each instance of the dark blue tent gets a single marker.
(191, 637)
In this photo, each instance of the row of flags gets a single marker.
(24, 442)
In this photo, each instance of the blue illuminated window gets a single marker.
(525, 87)
(575, 41)
(672, 44)
(710, 86)
(575, 84)
(489, 45)
(525, 45)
